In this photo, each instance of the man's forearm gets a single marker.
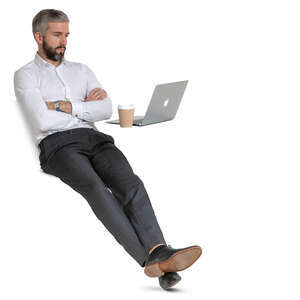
(65, 106)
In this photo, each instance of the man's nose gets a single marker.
(63, 41)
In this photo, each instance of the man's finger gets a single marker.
(93, 91)
(100, 93)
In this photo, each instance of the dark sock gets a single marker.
(157, 249)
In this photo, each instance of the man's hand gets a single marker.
(65, 106)
(96, 94)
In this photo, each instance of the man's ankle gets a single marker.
(150, 251)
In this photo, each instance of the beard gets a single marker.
(51, 52)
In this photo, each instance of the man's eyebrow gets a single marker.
(60, 32)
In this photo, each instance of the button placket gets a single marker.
(62, 81)
(67, 90)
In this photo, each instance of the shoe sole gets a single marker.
(179, 261)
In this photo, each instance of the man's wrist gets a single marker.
(57, 106)
(66, 106)
(61, 105)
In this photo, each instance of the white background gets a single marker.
(224, 174)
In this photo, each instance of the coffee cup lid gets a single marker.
(126, 106)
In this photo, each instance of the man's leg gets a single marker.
(115, 171)
(75, 169)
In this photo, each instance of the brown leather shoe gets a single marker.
(167, 259)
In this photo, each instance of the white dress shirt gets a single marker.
(39, 81)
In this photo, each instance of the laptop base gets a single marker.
(137, 121)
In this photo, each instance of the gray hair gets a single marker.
(41, 19)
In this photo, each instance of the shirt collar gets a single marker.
(43, 63)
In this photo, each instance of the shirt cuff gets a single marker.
(77, 109)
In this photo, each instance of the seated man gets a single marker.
(64, 99)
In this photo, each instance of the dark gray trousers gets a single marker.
(90, 163)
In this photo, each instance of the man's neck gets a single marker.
(43, 56)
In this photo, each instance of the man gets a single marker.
(64, 99)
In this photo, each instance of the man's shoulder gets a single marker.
(30, 68)
(76, 65)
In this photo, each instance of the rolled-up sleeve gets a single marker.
(29, 96)
(96, 110)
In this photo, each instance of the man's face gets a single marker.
(55, 40)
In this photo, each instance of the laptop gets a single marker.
(163, 105)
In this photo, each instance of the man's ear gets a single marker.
(39, 38)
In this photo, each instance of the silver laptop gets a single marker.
(163, 105)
